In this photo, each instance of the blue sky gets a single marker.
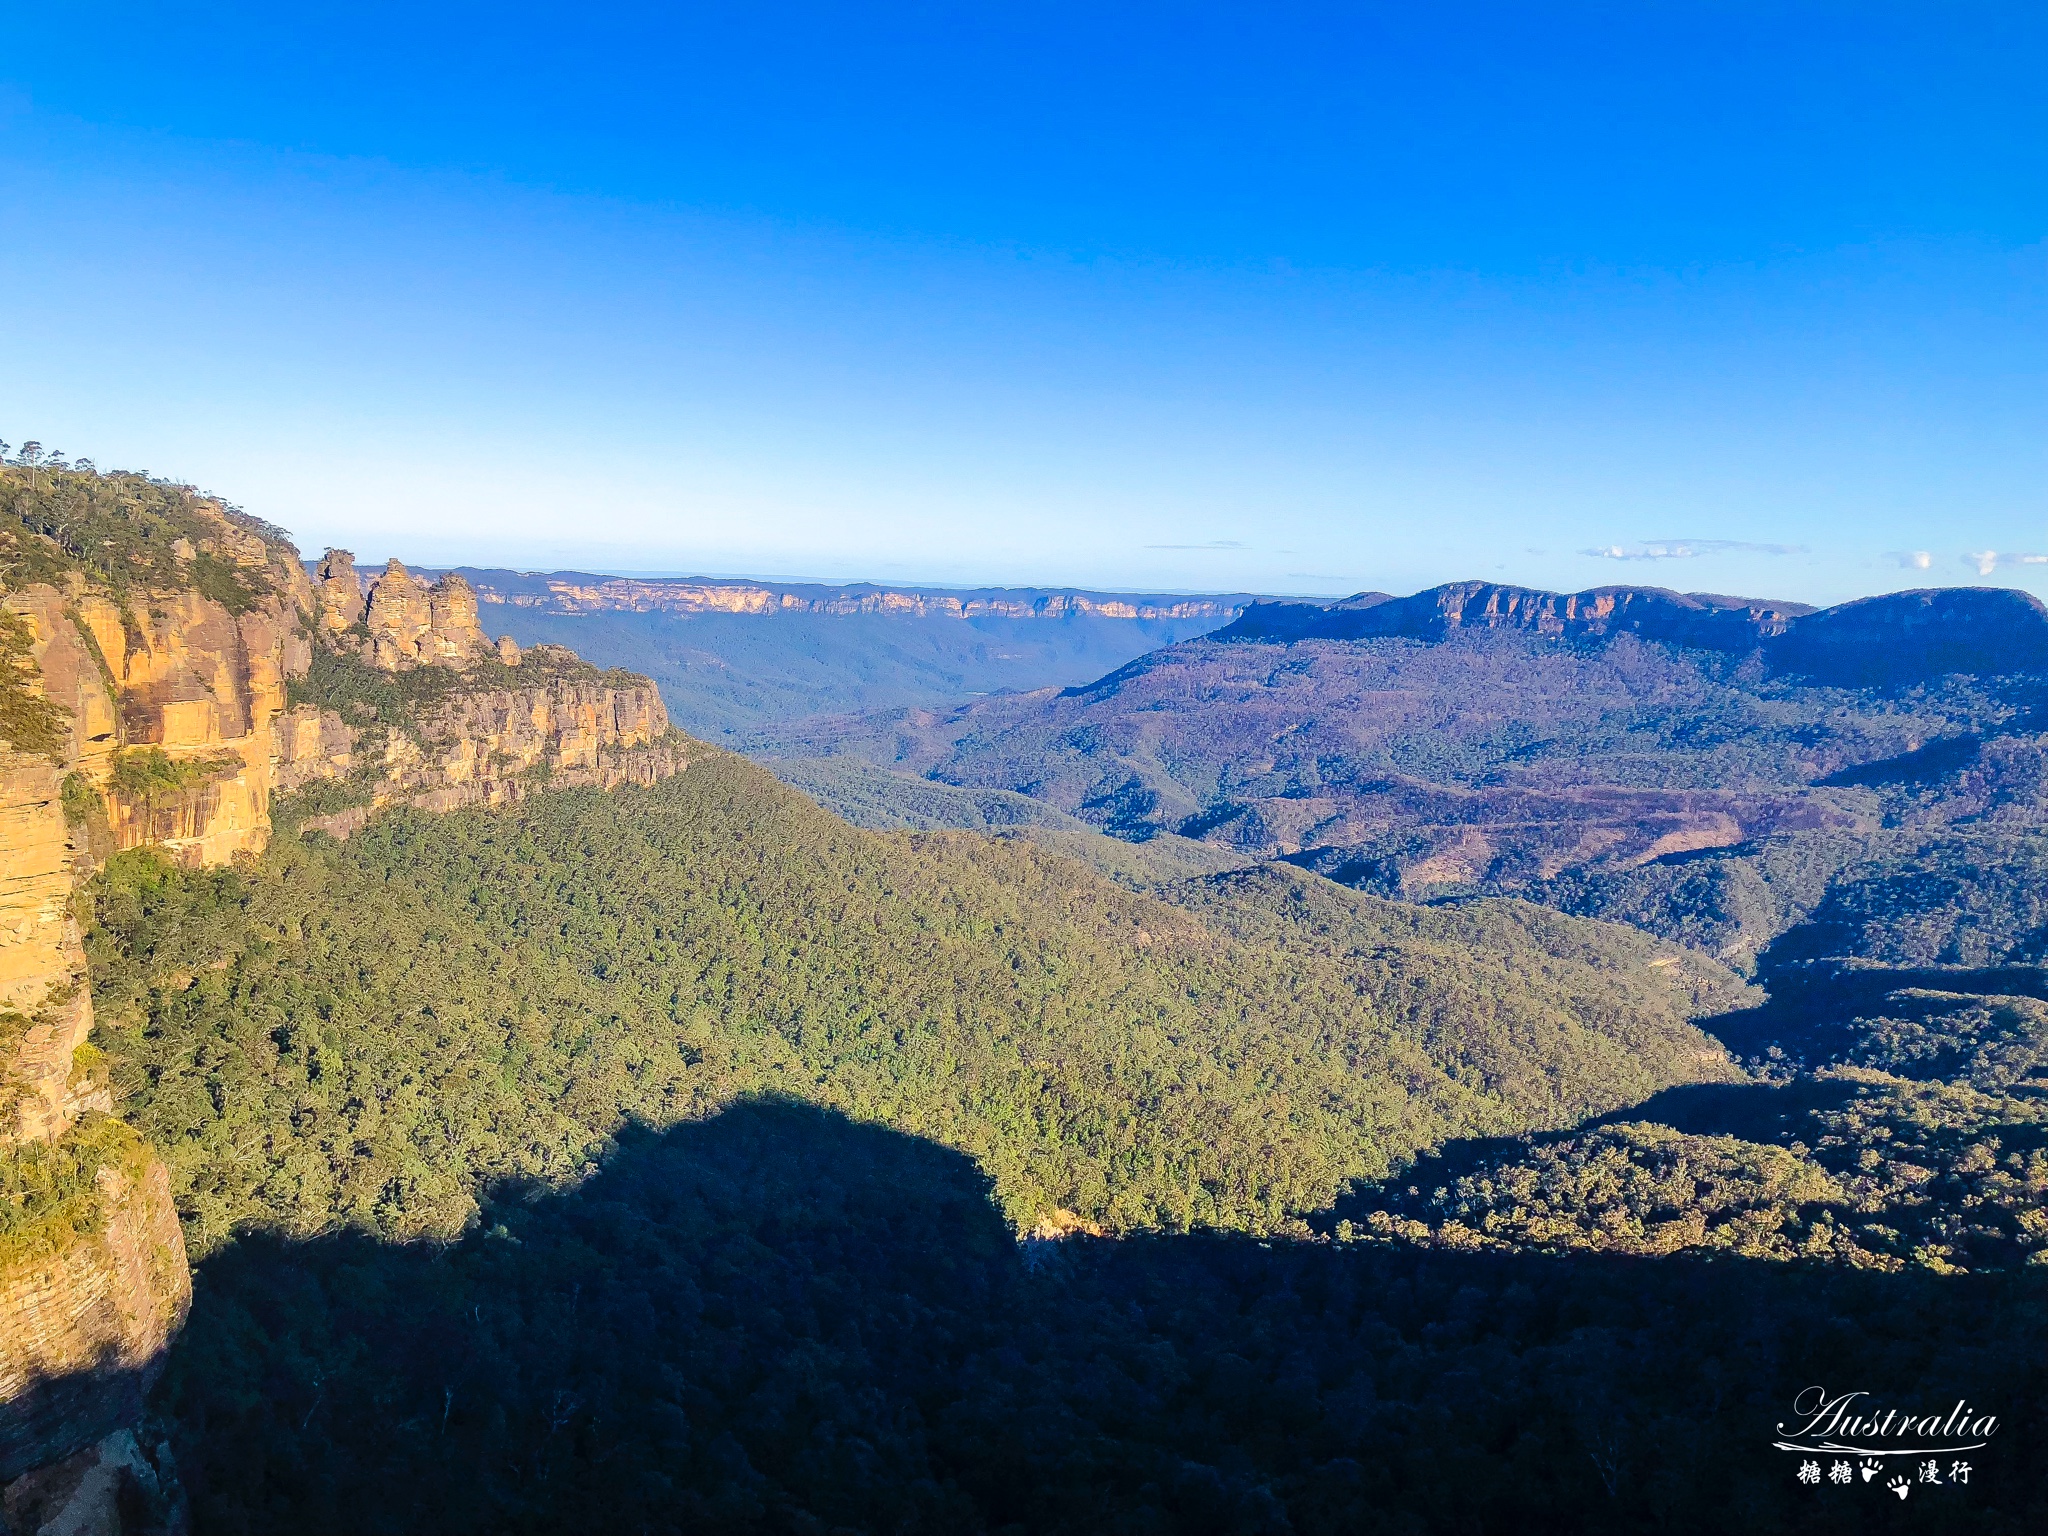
(1292, 298)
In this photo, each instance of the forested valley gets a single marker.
(685, 1157)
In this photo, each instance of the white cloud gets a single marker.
(1988, 561)
(1914, 559)
(1687, 549)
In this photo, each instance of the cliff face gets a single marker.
(403, 623)
(180, 717)
(170, 669)
(569, 726)
(165, 702)
(411, 704)
(45, 1009)
(86, 1324)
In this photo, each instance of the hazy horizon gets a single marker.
(771, 579)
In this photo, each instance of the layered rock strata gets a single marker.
(485, 747)
(45, 1008)
(86, 1325)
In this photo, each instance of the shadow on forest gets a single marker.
(1812, 998)
(778, 1319)
(1752, 1111)
(1760, 1112)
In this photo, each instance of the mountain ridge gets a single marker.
(1566, 747)
(1891, 637)
(584, 592)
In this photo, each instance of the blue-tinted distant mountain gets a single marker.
(1900, 637)
(581, 592)
(735, 655)
(1694, 619)
(1907, 637)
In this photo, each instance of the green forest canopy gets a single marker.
(782, 1316)
(376, 1033)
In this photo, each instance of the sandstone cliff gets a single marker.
(560, 724)
(87, 1320)
(169, 670)
(409, 703)
(395, 622)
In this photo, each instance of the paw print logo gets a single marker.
(1901, 1487)
(1871, 1467)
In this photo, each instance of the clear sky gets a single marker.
(1741, 298)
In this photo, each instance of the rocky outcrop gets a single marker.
(417, 626)
(124, 1485)
(405, 623)
(571, 726)
(178, 717)
(342, 601)
(180, 682)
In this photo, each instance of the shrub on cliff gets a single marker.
(51, 1193)
(28, 721)
(128, 533)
